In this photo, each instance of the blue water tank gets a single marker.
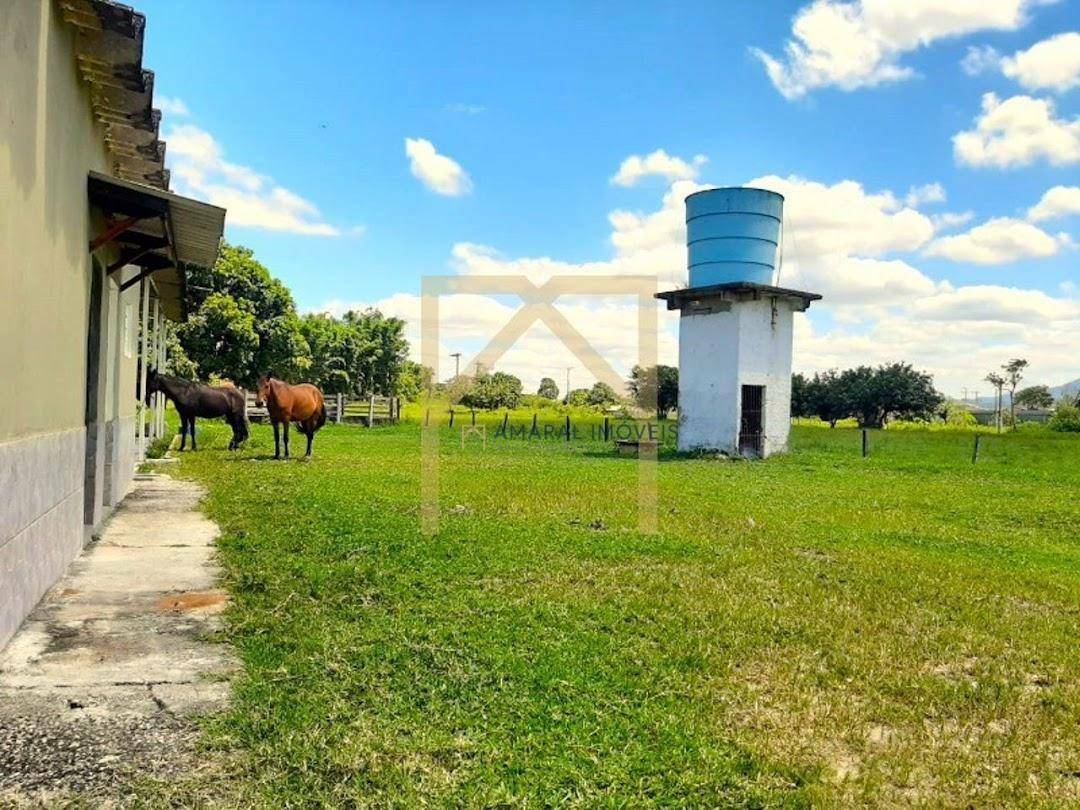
(733, 234)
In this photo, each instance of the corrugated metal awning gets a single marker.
(159, 231)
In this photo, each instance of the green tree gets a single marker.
(1066, 419)
(490, 391)
(896, 390)
(998, 382)
(601, 395)
(800, 402)
(380, 351)
(413, 380)
(221, 338)
(328, 339)
(177, 363)
(825, 399)
(661, 382)
(1034, 397)
(578, 397)
(237, 275)
(548, 389)
(1014, 372)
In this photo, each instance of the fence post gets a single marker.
(534, 423)
(568, 427)
(606, 429)
(340, 408)
(371, 411)
(473, 411)
(975, 452)
(451, 417)
(865, 443)
(506, 419)
(427, 417)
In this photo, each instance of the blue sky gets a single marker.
(538, 105)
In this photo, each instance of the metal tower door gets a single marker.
(751, 423)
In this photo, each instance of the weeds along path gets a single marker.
(814, 628)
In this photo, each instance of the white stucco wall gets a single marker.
(719, 352)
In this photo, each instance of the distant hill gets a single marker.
(1070, 388)
(1057, 391)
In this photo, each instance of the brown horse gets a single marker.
(286, 403)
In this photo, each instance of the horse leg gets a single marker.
(310, 435)
(192, 423)
(287, 438)
(233, 443)
(183, 432)
(277, 441)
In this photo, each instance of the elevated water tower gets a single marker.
(735, 326)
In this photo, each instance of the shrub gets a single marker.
(1066, 419)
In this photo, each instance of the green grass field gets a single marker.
(815, 629)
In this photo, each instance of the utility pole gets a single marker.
(964, 399)
(457, 364)
(566, 398)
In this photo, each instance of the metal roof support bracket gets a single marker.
(113, 231)
(145, 273)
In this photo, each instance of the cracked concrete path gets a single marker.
(104, 677)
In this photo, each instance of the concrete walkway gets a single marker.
(103, 678)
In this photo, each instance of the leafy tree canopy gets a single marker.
(578, 397)
(220, 338)
(870, 395)
(660, 383)
(1035, 397)
(602, 395)
(359, 354)
(548, 389)
(490, 391)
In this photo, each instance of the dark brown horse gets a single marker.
(286, 404)
(196, 399)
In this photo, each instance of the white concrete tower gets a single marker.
(735, 326)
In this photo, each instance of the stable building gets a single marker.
(736, 327)
(92, 251)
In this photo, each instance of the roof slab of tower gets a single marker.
(734, 291)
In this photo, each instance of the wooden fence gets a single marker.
(340, 409)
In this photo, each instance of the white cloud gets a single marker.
(171, 106)
(844, 219)
(980, 59)
(951, 219)
(859, 44)
(839, 241)
(920, 195)
(466, 109)
(659, 164)
(441, 174)
(253, 200)
(467, 322)
(1053, 64)
(851, 281)
(996, 241)
(994, 303)
(1017, 132)
(1058, 201)
(957, 351)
